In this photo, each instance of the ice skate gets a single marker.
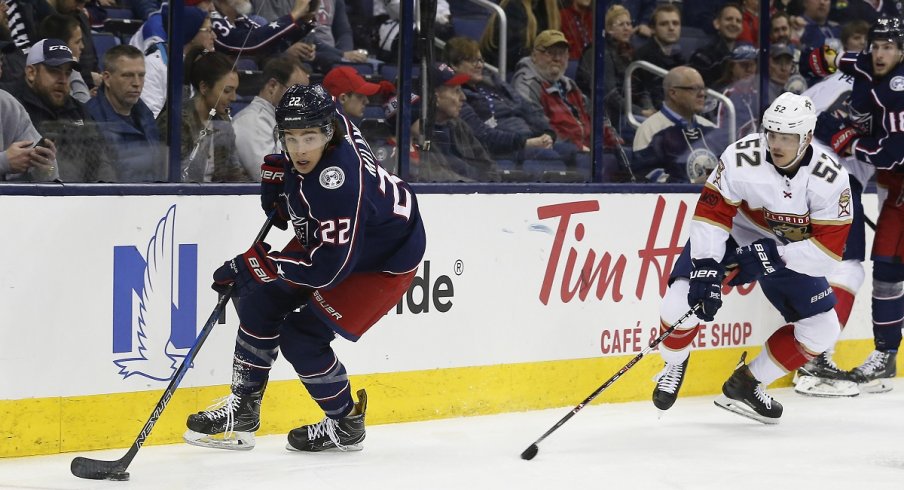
(668, 382)
(874, 374)
(344, 434)
(745, 396)
(230, 423)
(823, 378)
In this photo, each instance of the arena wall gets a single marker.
(523, 301)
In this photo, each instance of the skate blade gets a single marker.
(237, 441)
(743, 410)
(881, 385)
(826, 388)
(333, 449)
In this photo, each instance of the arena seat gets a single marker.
(102, 42)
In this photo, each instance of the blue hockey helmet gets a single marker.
(303, 107)
(887, 29)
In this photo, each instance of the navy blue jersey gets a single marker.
(349, 215)
(877, 109)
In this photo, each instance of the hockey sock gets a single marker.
(254, 356)
(674, 347)
(844, 305)
(326, 380)
(783, 353)
(888, 314)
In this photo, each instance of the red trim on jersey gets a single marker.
(844, 305)
(785, 350)
(831, 236)
(712, 207)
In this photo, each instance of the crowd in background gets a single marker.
(99, 113)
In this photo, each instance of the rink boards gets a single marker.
(523, 301)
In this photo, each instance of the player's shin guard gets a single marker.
(888, 314)
(326, 380)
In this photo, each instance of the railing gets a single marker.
(656, 70)
(503, 29)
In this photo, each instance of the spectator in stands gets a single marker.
(750, 22)
(142, 9)
(23, 18)
(196, 28)
(238, 34)
(81, 151)
(708, 60)
(127, 122)
(853, 35)
(12, 59)
(663, 49)
(866, 10)
(619, 54)
(741, 85)
(502, 120)
(332, 35)
(20, 159)
(67, 28)
(462, 151)
(781, 29)
(152, 34)
(88, 59)
(740, 65)
(577, 25)
(351, 90)
(676, 144)
(526, 18)
(254, 125)
(208, 141)
(781, 64)
(386, 12)
(818, 28)
(642, 12)
(541, 81)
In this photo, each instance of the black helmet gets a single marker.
(304, 107)
(887, 29)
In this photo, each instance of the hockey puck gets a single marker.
(530, 452)
(119, 476)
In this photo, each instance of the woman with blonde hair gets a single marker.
(526, 18)
(619, 54)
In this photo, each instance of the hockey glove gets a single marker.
(820, 61)
(246, 271)
(273, 172)
(756, 260)
(706, 288)
(835, 132)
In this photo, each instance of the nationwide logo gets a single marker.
(154, 303)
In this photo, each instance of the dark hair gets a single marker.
(209, 67)
(664, 8)
(111, 57)
(58, 26)
(852, 28)
(280, 69)
(731, 5)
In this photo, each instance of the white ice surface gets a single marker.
(852, 443)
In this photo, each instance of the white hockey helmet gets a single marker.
(791, 114)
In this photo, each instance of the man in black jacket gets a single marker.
(662, 49)
(82, 153)
(708, 60)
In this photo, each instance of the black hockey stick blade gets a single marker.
(95, 469)
(530, 452)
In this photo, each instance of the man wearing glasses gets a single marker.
(540, 79)
(675, 144)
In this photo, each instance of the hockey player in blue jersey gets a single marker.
(358, 241)
(874, 134)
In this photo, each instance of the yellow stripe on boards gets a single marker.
(81, 423)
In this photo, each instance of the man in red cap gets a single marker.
(350, 89)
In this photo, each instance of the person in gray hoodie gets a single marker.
(20, 159)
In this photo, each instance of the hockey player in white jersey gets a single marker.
(777, 210)
(821, 376)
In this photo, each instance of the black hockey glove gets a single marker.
(247, 271)
(706, 288)
(273, 172)
(756, 260)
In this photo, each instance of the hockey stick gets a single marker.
(531, 450)
(95, 469)
(621, 150)
(869, 222)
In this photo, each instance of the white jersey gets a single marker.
(807, 214)
(830, 95)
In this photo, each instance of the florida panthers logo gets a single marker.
(788, 227)
(332, 178)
